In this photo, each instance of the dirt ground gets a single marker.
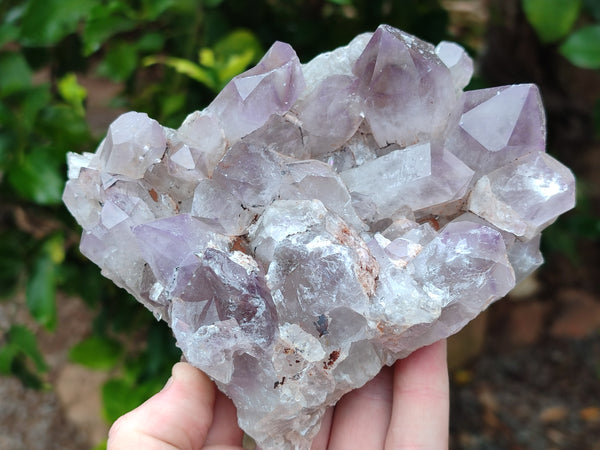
(66, 414)
(536, 384)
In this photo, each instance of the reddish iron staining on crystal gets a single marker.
(153, 194)
(333, 357)
(433, 222)
(367, 269)
(239, 245)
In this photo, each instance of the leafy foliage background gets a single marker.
(167, 58)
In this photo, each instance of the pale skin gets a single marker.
(405, 407)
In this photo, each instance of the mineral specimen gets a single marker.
(316, 222)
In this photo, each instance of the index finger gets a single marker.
(420, 412)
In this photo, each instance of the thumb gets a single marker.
(179, 416)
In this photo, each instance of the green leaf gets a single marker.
(212, 3)
(185, 7)
(8, 32)
(341, 2)
(233, 54)
(120, 62)
(101, 446)
(162, 352)
(82, 279)
(120, 397)
(96, 352)
(22, 370)
(154, 8)
(72, 92)
(41, 299)
(150, 42)
(237, 43)
(171, 104)
(6, 114)
(41, 287)
(54, 247)
(7, 145)
(582, 47)
(206, 57)
(21, 344)
(117, 399)
(593, 6)
(234, 66)
(184, 67)
(11, 261)
(104, 22)
(38, 177)
(8, 353)
(34, 100)
(15, 13)
(66, 129)
(16, 74)
(133, 369)
(552, 19)
(45, 22)
(23, 339)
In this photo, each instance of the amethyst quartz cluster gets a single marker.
(316, 222)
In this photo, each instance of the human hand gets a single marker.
(405, 406)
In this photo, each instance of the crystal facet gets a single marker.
(316, 222)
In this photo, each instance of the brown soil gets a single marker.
(67, 413)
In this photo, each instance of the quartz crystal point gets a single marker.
(316, 222)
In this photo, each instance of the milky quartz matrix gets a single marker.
(316, 222)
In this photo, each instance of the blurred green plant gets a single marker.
(553, 21)
(46, 49)
(139, 373)
(581, 225)
(218, 65)
(582, 47)
(19, 350)
(574, 27)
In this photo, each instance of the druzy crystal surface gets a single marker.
(316, 222)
